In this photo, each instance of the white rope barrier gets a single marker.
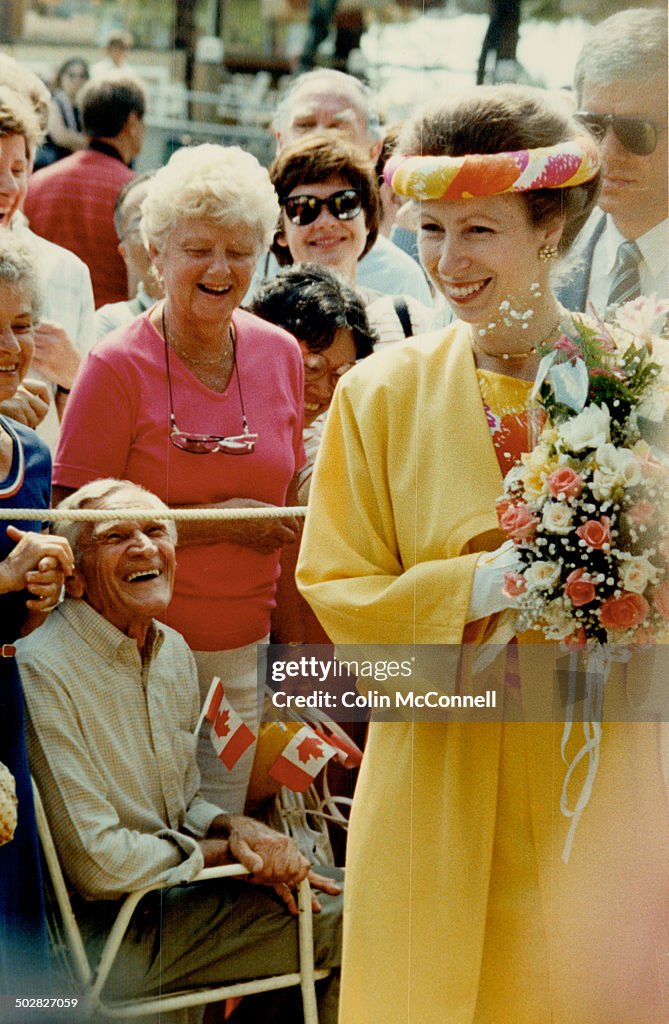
(96, 515)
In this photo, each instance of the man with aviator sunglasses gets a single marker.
(621, 91)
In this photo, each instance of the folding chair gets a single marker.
(68, 946)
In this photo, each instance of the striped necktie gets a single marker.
(626, 283)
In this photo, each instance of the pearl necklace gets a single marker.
(526, 354)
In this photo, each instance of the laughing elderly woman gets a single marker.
(201, 403)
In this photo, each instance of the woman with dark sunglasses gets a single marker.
(330, 208)
(201, 403)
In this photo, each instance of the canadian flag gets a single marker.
(230, 735)
(300, 761)
(348, 752)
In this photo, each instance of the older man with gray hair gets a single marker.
(621, 89)
(113, 702)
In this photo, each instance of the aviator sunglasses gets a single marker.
(303, 210)
(205, 444)
(635, 134)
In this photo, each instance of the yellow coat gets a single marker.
(459, 909)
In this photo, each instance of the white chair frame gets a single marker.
(91, 979)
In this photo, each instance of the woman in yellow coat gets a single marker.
(459, 906)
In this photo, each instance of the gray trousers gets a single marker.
(211, 933)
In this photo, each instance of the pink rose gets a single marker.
(565, 481)
(579, 588)
(514, 584)
(642, 513)
(577, 639)
(596, 533)
(519, 522)
(501, 506)
(661, 599)
(624, 612)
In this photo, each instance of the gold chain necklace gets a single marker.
(217, 361)
(526, 354)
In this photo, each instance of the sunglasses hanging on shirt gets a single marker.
(206, 444)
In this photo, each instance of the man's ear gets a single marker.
(74, 585)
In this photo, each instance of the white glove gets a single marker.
(486, 597)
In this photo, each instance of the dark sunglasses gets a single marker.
(303, 210)
(636, 135)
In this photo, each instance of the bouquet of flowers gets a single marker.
(587, 507)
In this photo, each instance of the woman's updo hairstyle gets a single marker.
(500, 119)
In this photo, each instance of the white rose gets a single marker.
(589, 429)
(616, 467)
(542, 575)
(557, 517)
(636, 572)
(558, 622)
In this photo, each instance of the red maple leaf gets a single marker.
(310, 747)
(221, 727)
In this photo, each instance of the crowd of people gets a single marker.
(346, 332)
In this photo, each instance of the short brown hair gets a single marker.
(314, 159)
(499, 119)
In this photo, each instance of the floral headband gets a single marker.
(493, 174)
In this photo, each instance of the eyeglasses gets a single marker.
(635, 134)
(303, 210)
(316, 367)
(204, 444)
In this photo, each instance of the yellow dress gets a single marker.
(459, 908)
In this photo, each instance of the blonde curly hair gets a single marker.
(222, 184)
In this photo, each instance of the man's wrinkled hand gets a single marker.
(270, 857)
(316, 881)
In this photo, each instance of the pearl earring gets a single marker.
(548, 252)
